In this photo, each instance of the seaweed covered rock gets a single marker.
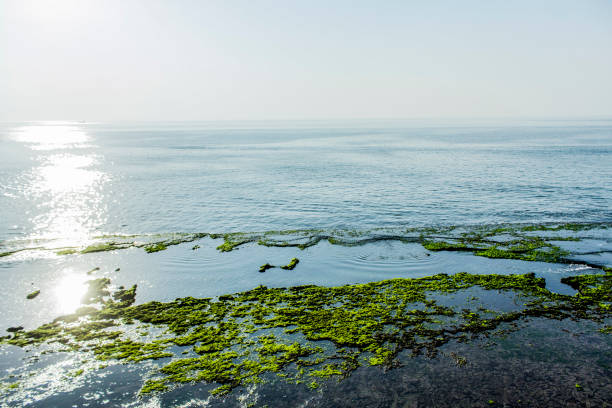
(291, 265)
(265, 267)
(305, 332)
(33, 294)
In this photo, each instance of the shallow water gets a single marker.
(61, 185)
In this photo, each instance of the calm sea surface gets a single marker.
(70, 180)
(67, 184)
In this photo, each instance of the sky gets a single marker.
(122, 60)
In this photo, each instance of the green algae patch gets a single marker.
(151, 244)
(102, 247)
(68, 251)
(265, 267)
(291, 265)
(160, 246)
(305, 332)
(533, 242)
(33, 294)
(176, 239)
(512, 242)
(130, 350)
(77, 373)
(227, 246)
(15, 251)
(9, 386)
(508, 241)
(232, 241)
(445, 246)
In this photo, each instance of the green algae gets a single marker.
(160, 246)
(67, 251)
(33, 294)
(303, 239)
(177, 239)
(102, 247)
(510, 241)
(518, 246)
(228, 341)
(265, 267)
(77, 373)
(304, 332)
(156, 243)
(445, 246)
(228, 246)
(232, 241)
(11, 386)
(291, 265)
(130, 350)
(15, 251)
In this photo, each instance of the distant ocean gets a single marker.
(70, 180)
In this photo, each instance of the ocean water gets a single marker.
(63, 180)
(67, 184)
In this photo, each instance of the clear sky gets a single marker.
(210, 60)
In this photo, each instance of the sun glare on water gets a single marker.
(65, 183)
(69, 292)
(51, 136)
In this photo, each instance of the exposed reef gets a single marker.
(150, 243)
(33, 294)
(265, 267)
(511, 241)
(291, 265)
(160, 246)
(306, 334)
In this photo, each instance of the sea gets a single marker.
(70, 184)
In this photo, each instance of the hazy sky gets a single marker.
(208, 60)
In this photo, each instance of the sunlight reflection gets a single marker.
(50, 137)
(66, 187)
(67, 173)
(69, 292)
(69, 195)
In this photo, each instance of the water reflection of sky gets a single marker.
(64, 184)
